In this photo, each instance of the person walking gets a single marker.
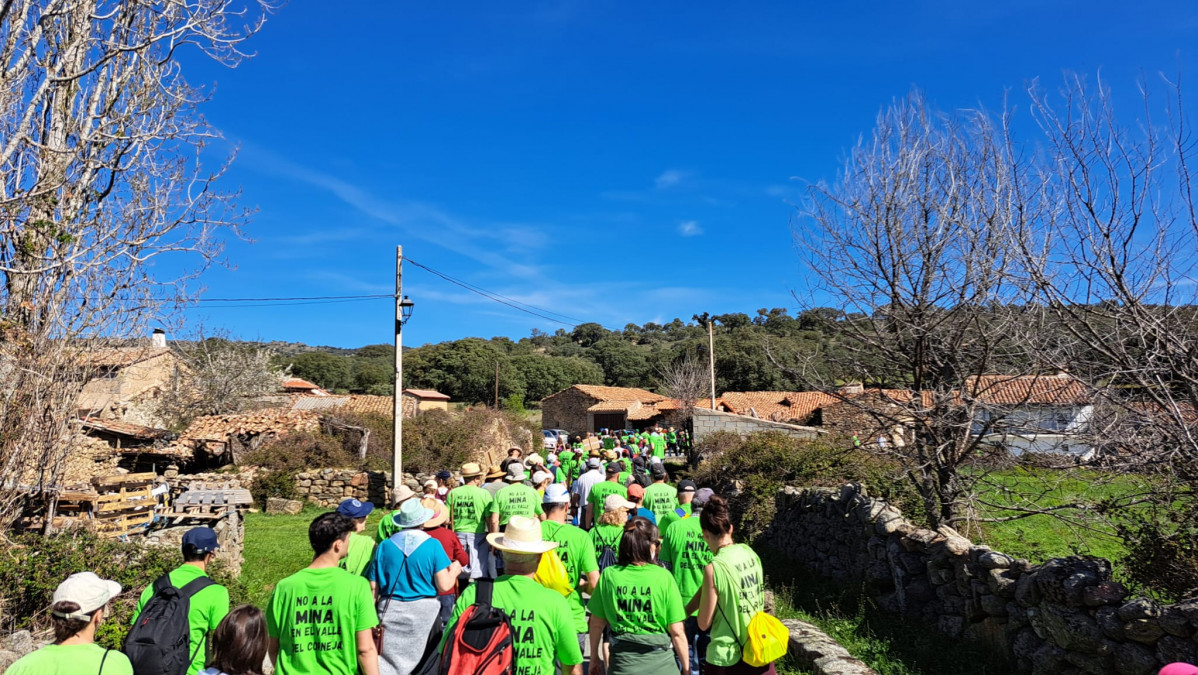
(608, 532)
(660, 497)
(238, 643)
(387, 525)
(435, 527)
(361, 547)
(494, 482)
(468, 509)
(540, 481)
(319, 619)
(516, 499)
(79, 606)
(685, 553)
(444, 484)
(542, 626)
(207, 606)
(686, 493)
(600, 491)
(408, 571)
(732, 593)
(576, 550)
(636, 495)
(580, 491)
(640, 602)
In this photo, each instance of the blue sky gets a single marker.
(609, 161)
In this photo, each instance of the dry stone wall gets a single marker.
(329, 487)
(707, 422)
(1066, 616)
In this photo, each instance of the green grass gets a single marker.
(887, 643)
(1041, 537)
(277, 546)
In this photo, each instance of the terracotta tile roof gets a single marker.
(299, 383)
(427, 394)
(126, 429)
(643, 413)
(766, 404)
(364, 403)
(1060, 389)
(675, 404)
(119, 357)
(267, 420)
(314, 402)
(618, 393)
(615, 406)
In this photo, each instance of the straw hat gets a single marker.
(534, 460)
(440, 512)
(522, 535)
(471, 469)
(496, 471)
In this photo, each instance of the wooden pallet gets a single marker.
(124, 511)
(209, 503)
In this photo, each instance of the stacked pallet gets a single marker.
(125, 505)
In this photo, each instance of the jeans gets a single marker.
(697, 640)
(447, 603)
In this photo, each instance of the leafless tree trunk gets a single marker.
(687, 380)
(106, 213)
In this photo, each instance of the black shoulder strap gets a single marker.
(162, 583)
(102, 660)
(196, 585)
(483, 595)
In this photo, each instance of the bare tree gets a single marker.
(218, 377)
(106, 212)
(912, 247)
(686, 379)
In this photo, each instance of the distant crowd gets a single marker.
(520, 567)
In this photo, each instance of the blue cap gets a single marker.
(354, 508)
(444, 475)
(202, 539)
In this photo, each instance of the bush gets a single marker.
(751, 469)
(269, 484)
(437, 440)
(33, 566)
(1162, 549)
(283, 457)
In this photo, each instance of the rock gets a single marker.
(1047, 660)
(1104, 593)
(7, 658)
(1069, 628)
(1027, 593)
(1170, 649)
(20, 642)
(1089, 663)
(1001, 582)
(1146, 631)
(993, 605)
(769, 601)
(1133, 659)
(277, 506)
(1063, 580)
(920, 540)
(1140, 608)
(951, 626)
(1110, 623)
(993, 560)
(1174, 621)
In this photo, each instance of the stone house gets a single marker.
(426, 399)
(587, 407)
(1032, 413)
(124, 383)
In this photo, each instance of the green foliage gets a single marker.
(268, 484)
(751, 470)
(327, 370)
(1163, 548)
(33, 566)
(514, 404)
(436, 440)
(288, 455)
(623, 364)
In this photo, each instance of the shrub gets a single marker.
(437, 440)
(33, 566)
(751, 469)
(283, 457)
(1162, 548)
(269, 484)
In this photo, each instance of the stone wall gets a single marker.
(707, 422)
(230, 532)
(1065, 617)
(329, 487)
(567, 410)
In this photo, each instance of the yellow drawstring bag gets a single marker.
(552, 574)
(767, 640)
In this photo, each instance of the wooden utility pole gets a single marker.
(497, 385)
(711, 359)
(397, 425)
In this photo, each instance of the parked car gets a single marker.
(550, 437)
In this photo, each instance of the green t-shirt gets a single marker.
(316, 616)
(541, 620)
(600, 491)
(609, 443)
(578, 555)
(661, 498)
(739, 582)
(361, 548)
(387, 526)
(683, 548)
(516, 499)
(671, 517)
(672, 437)
(606, 535)
(468, 506)
(207, 608)
(71, 660)
(637, 599)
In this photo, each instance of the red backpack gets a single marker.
(482, 641)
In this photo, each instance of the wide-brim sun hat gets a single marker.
(522, 535)
(412, 514)
(534, 460)
(471, 469)
(439, 509)
(402, 494)
(496, 471)
(515, 473)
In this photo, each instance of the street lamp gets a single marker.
(405, 310)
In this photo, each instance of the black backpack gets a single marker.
(158, 644)
(641, 478)
(483, 641)
(607, 555)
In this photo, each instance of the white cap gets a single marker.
(613, 502)
(557, 494)
(540, 477)
(551, 458)
(88, 591)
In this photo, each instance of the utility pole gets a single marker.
(497, 385)
(397, 427)
(711, 359)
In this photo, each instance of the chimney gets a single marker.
(158, 338)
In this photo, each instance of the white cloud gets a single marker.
(690, 228)
(670, 178)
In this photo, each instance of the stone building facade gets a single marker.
(707, 422)
(1066, 616)
(585, 407)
